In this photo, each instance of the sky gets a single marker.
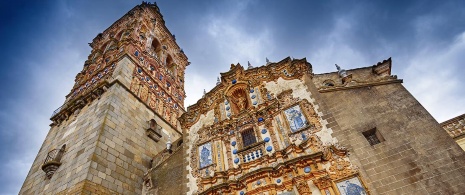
(44, 45)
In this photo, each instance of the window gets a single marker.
(248, 137)
(156, 48)
(373, 136)
(328, 83)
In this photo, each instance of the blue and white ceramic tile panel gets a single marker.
(205, 155)
(351, 186)
(296, 118)
(254, 97)
(327, 192)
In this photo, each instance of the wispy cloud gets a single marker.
(238, 45)
(335, 48)
(435, 78)
(227, 41)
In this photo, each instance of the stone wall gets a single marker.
(455, 127)
(167, 177)
(107, 146)
(80, 134)
(124, 151)
(417, 156)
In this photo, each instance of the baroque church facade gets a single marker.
(275, 129)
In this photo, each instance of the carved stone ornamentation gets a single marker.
(303, 188)
(323, 182)
(286, 99)
(340, 168)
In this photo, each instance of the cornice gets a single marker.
(453, 120)
(69, 107)
(371, 84)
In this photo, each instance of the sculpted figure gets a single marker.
(241, 103)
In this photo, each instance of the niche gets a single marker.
(238, 97)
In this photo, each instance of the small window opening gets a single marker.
(328, 83)
(248, 137)
(156, 47)
(373, 136)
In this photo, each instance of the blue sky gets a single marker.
(44, 45)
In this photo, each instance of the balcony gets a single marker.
(52, 161)
(154, 130)
(252, 152)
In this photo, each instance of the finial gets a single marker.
(168, 144)
(249, 65)
(342, 72)
(218, 81)
(204, 92)
(267, 61)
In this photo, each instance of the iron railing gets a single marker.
(55, 155)
(56, 111)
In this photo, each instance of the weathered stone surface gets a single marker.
(416, 154)
(167, 177)
(455, 127)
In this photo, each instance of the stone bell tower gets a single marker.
(121, 112)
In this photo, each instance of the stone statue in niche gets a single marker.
(238, 97)
(241, 103)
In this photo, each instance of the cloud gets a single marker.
(336, 49)
(236, 44)
(226, 40)
(49, 80)
(435, 77)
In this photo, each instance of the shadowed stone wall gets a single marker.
(167, 177)
(417, 156)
